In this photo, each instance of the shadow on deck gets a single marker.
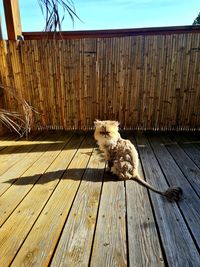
(59, 208)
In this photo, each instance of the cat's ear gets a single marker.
(115, 123)
(97, 123)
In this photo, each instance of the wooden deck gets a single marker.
(58, 207)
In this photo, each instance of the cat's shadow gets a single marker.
(88, 175)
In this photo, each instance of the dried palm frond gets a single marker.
(51, 9)
(13, 121)
(19, 122)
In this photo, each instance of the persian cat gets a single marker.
(122, 157)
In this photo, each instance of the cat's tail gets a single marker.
(173, 193)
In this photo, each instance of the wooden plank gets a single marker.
(110, 248)
(143, 241)
(75, 244)
(193, 151)
(187, 166)
(1, 37)
(188, 137)
(15, 151)
(12, 17)
(4, 141)
(12, 197)
(177, 242)
(41, 242)
(190, 204)
(190, 146)
(113, 32)
(15, 171)
(15, 230)
(11, 139)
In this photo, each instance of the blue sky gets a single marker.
(114, 14)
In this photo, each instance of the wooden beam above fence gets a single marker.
(111, 33)
(13, 21)
(1, 33)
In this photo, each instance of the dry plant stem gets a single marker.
(8, 119)
(20, 123)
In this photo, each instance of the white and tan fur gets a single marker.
(122, 156)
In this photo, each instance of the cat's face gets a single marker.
(106, 131)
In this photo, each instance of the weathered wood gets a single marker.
(15, 150)
(191, 147)
(12, 17)
(57, 211)
(110, 247)
(112, 33)
(7, 140)
(177, 242)
(193, 151)
(8, 177)
(190, 204)
(41, 242)
(14, 153)
(12, 197)
(1, 32)
(187, 166)
(2, 127)
(75, 244)
(143, 241)
(14, 231)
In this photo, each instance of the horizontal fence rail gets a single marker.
(146, 82)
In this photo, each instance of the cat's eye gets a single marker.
(104, 133)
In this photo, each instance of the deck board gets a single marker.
(190, 202)
(58, 207)
(143, 238)
(41, 242)
(171, 224)
(76, 241)
(24, 216)
(109, 247)
(20, 188)
(185, 163)
(192, 148)
(24, 163)
(15, 151)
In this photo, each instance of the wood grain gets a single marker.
(13, 152)
(190, 203)
(146, 82)
(75, 244)
(56, 211)
(187, 166)
(110, 244)
(191, 147)
(41, 242)
(177, 242)
(14, 231)
(22, 186)
(143, 240)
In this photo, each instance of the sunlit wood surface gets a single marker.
(58, 206)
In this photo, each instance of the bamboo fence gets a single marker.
(146, 82)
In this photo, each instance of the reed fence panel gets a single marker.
(147, 82)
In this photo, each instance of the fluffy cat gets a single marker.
(122, 157)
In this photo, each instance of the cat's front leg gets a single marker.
(110, 162)
(109, 166)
